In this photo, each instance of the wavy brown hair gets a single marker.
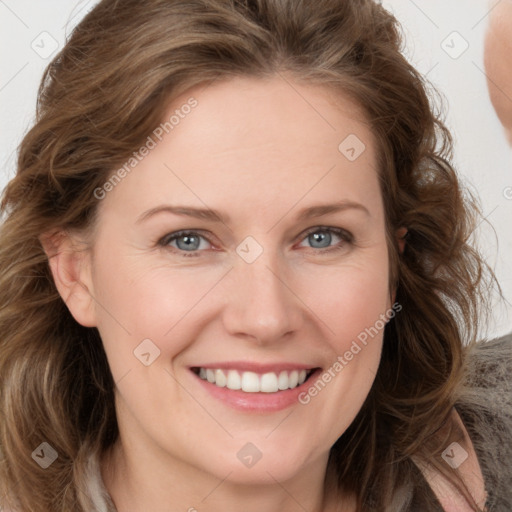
(100, 98)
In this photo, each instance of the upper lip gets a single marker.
(251, 366)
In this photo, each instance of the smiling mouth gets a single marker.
(252, 382)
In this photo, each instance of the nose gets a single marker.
(261, 305)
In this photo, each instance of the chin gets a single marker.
(251, 467)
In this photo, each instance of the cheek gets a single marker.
(348, 301)
(137, 302)
(353, 304)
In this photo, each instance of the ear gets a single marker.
(70, 265)
(400, 236)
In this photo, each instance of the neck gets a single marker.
(132, 488)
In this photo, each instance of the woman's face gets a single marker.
(282, 270)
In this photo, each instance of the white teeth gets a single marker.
(251, 382)
(294, 378)
(282, 381)
(220, 378)
(234, 381)
(269, 383)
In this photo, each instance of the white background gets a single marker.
(482, 155)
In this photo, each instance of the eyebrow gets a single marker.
(215, 216)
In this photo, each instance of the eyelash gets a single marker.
(341, 233)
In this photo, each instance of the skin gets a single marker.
(259, 152)
(498, 48)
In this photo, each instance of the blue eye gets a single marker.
(323, 237)
(187, 241)
(192, 243)
(320, 239)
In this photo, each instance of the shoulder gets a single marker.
(483, 413)
(462, 458)
(487, 385)
(485, 406)
(495, 354)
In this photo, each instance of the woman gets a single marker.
(235, 274)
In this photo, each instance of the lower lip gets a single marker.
(257, 402)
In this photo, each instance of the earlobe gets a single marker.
(70, 267)
(400, 234)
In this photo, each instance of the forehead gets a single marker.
(257, 142)
(277, 112)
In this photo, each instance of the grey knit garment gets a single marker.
(485, 406)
